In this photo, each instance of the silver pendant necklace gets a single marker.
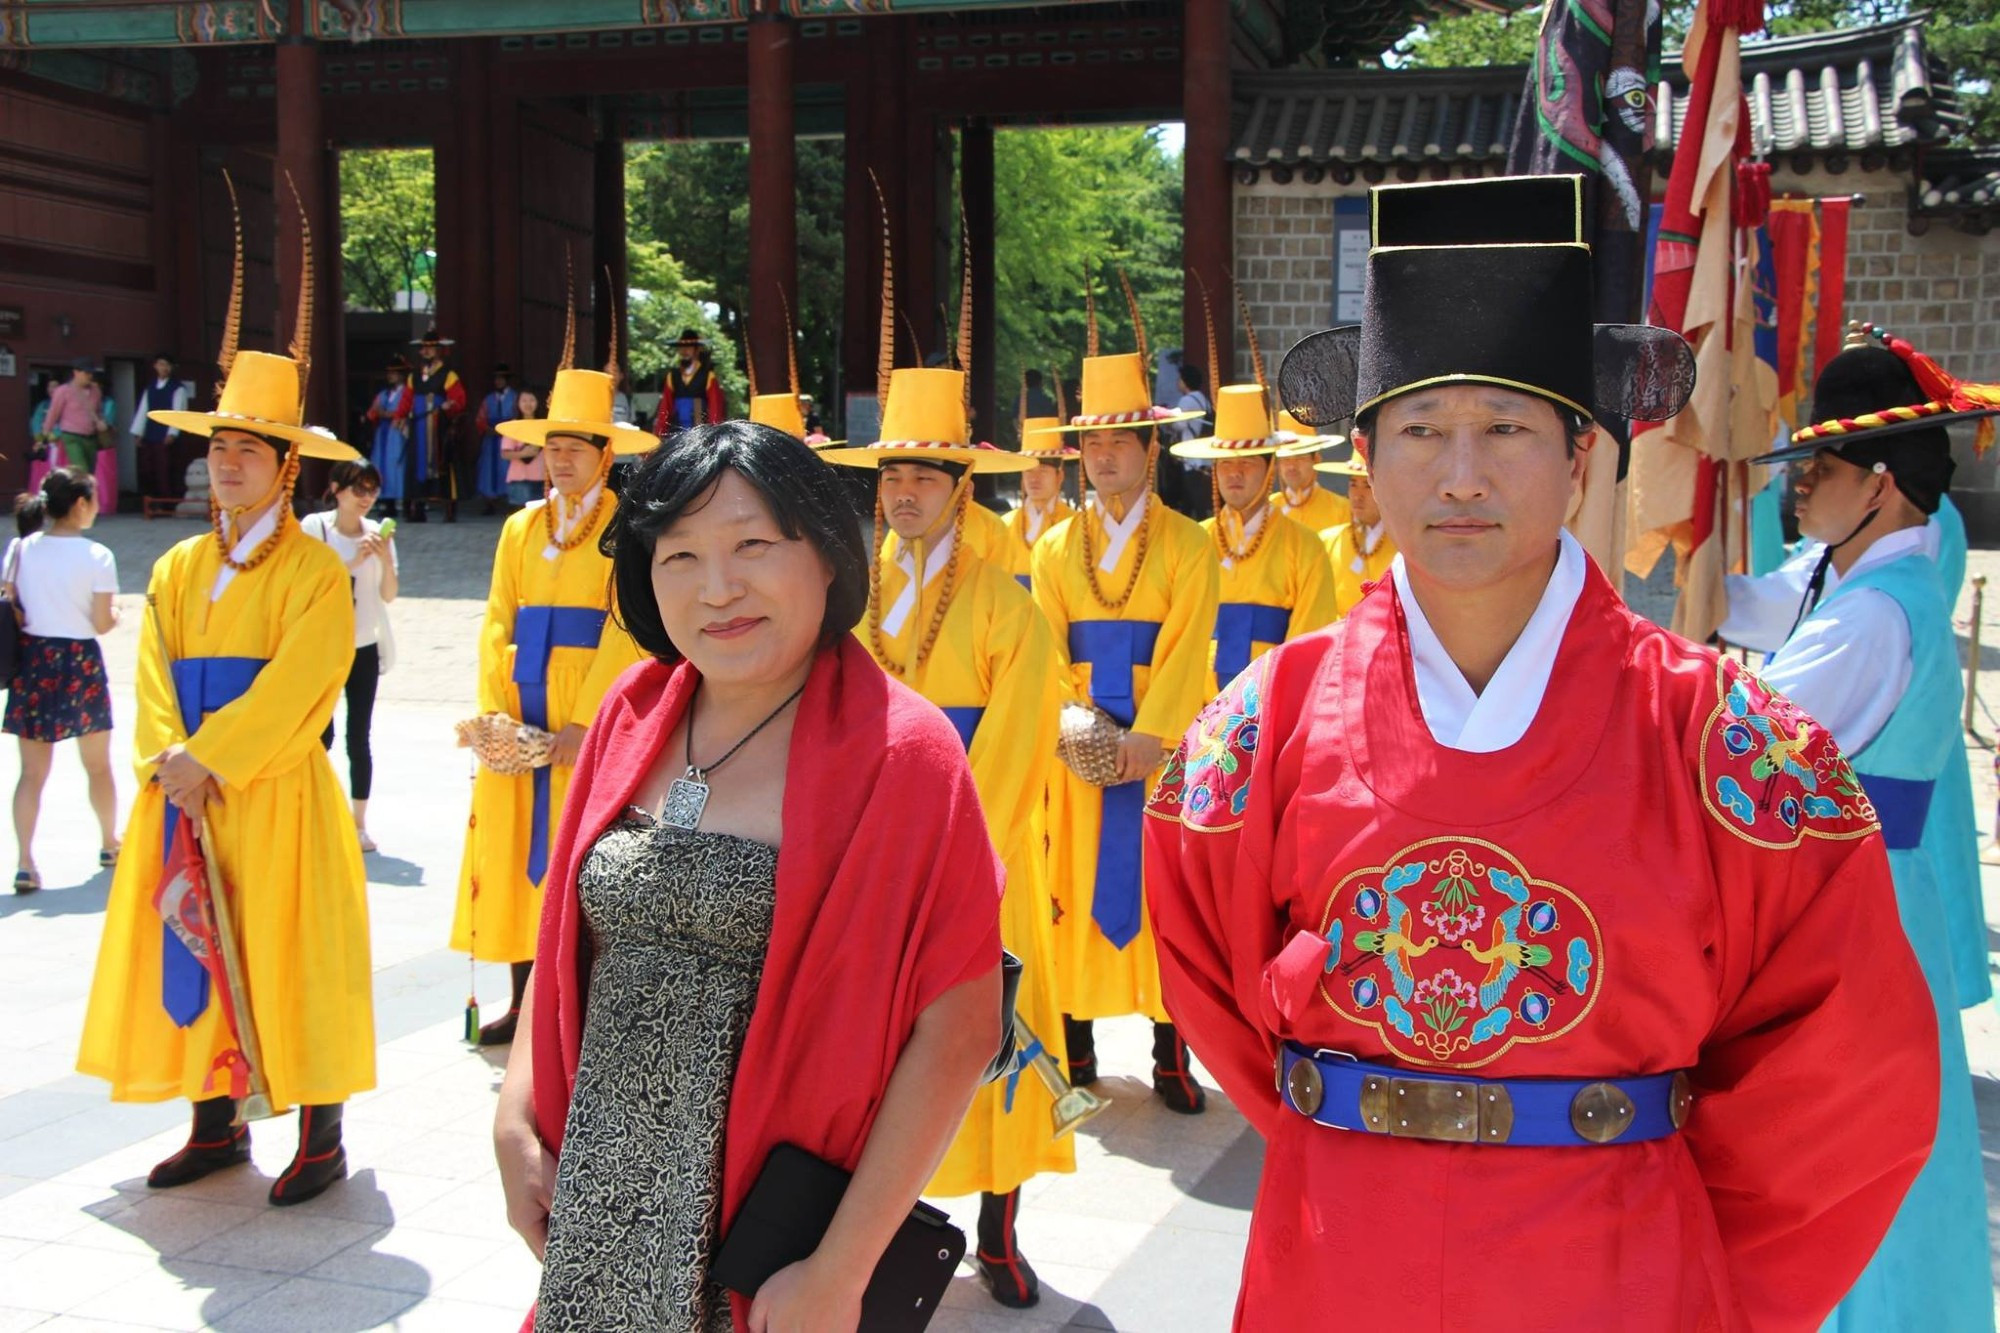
(687, 795)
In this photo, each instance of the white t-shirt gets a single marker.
(58, 576)
(366, 577)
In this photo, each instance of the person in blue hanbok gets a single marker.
(489, 473)
(389, 416)
(1874, 659)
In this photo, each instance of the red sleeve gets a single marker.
(1221, 935)
(664, 415)
(404, 402)
(374, 413)
(479, 425)
(454, 394)
(718, 406)
(1816, 1098)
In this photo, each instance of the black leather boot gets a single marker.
(214, 1144)
(1081, 1038)
(1173, 1076)
(500, 1031)
(1001, 1265)
(320, 1160)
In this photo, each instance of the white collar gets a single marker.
(1371, 538)
(1298, 499)
(1499, 716)
(1902, 542)
(1034, 519)
(935, 559)
(565, 522)
(266, 524)
(1118, 532)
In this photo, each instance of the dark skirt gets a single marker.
(59, 692)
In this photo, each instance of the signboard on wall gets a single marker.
(13, 319)
(864, 419)
(1350, 258)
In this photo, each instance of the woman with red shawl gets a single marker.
(772, 916)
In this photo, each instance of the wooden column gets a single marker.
(608, 240)
(302, 154)
(467, 249)
(774, 247)
(1205, 191)
(975, 164)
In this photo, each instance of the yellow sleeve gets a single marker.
(1046, 575)
(281, 714)
(159, 714)
(1315, 600)
(1017, 735)
(616, 650)
(496, 632)
(1179, 683)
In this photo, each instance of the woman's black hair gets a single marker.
(802, 489)
(61, 491)
(352, 471)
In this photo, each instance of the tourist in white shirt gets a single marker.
(370, 556)
(64, 584)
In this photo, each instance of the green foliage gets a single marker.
(692, 202)
(663, 300)
(387, 226)
(1460, 41)
(1964, 34)
(1077, 201)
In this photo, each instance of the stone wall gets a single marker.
(1940, 290)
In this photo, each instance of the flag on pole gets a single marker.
(1680, 475)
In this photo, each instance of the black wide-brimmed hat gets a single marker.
(1484, 282)
(432, 338)
(1884, 406)
(690, 338)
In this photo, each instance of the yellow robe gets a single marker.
(1353, 571)
(499, 907)
(1326, 509)
(1020, 551)
(994, 652)
(1288, 570)
(279, 832)
(1177, 589)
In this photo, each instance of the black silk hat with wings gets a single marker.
(1484, 282)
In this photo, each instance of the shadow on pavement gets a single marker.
(60, 900)
(392, 870)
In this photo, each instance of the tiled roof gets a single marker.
(1870, 90)
(1963, 185)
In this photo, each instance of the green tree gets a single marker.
(1964, 34)
(693, 201)
(662, 300)
(1077, 204)
(388, 231)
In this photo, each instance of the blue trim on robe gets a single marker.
(1113, 648)
(538, 631)
(1239, 626)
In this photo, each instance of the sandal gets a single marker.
(368, 843)
(107, 858)
(26, 881)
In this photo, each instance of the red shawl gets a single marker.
(888, 895)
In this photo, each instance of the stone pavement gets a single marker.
(1147, 1235)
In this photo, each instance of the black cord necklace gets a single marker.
(687, 795)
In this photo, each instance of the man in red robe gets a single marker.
(1584, 937)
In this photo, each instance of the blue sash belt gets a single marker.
(201, 685)
(538, 631)
(1238, 625)
(966, 720)
(1025, 582)
(1902, 805)
(1113, 648)
(1343, 1093)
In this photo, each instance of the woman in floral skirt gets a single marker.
(63, 583)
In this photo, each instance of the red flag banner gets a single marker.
(184, 904)
(1795, 253)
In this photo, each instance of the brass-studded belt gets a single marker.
(1343, 1093)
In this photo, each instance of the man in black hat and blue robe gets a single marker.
(1873, 657)
(1555, 957)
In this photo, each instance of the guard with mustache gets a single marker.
(1556, 958)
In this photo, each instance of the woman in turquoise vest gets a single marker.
(1874, 660)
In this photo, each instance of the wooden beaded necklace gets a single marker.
(1146, 494)
(1230, 553)
(288, 478)
(950, 576)
(589, 523)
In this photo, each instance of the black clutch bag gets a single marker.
(788, 1211)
